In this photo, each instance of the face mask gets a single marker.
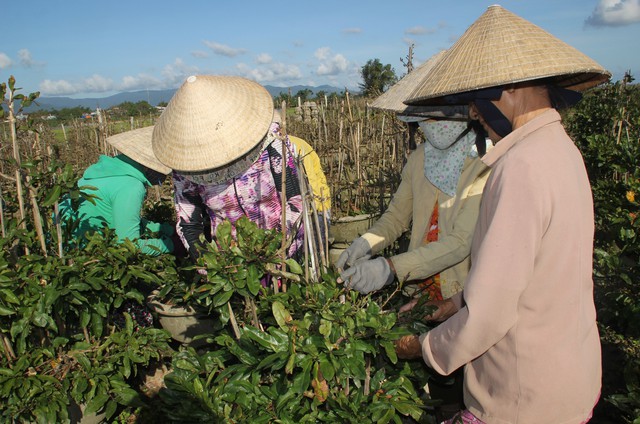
(442, 134)
(445, 153)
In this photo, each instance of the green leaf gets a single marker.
(222, 298)
(4, 311)
(96, 403)
(390, 350)
(302, 380)
(52, 196)
(293, 266)
(126, 395)
(253, 280)
(325, 327)
(9, 296)
(281, 314)
(96, 283)
(326, 368)
(264, 339)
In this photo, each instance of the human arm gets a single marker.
(397, 218)
(409, 347)
(452, 247)
(189, 214)
(501, 271)
(163, 228)
(127, 223)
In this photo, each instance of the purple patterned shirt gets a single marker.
(254, 193)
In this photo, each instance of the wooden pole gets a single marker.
(64, 133)
(16, 156)
(283, 208)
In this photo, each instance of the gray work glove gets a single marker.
(359, 248)
(368, 276)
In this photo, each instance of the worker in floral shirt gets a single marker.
(217, 135)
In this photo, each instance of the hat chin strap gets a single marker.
(493, 117)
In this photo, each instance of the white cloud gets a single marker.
(172, 75)
(57, 88)
(26, 60)
(352, 31)
(276, 73)
(224, 50)
(176, 72)
(5, 61)
(98, 84)
(263, 59)
(615, 13)
(330, 64)
(419, 30)
(199, 54)
(140, 82)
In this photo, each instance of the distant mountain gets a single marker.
(152, 96)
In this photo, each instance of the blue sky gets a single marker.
(95, 49)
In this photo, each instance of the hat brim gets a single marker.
(500, 48)
(136, 144)
(212, 121)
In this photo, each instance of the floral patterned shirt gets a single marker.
(254, 193)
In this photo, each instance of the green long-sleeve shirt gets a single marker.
(120, 189)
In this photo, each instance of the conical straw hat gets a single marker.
(502, 48)
(136, 144)
(211, 121)
(393, 99)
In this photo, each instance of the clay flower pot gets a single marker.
(183, 322)
(348, 228)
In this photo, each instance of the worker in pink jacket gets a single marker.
(524, 326)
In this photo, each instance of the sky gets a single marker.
(95, 49)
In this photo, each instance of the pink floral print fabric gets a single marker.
(254, 193)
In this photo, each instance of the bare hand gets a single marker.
(446, 308)
(408, 347)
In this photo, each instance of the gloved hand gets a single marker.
(359, 248)
(368, 276)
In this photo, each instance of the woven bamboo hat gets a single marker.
(393, 99)
(211, 121)
(501, 48)
(136, 144)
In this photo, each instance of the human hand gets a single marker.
(367, 276)
(358, 249)
(167, 229)
(445, 309)
(408, 347)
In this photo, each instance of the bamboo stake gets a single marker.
(2, 226)
(367, 379)
(283, 208)
(64, 134)
(56, 211)
(254, 312)
(16, 156)
(37, 218)
(306, 232)
(6, 343)
(234, 323)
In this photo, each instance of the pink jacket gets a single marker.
(526, 328)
